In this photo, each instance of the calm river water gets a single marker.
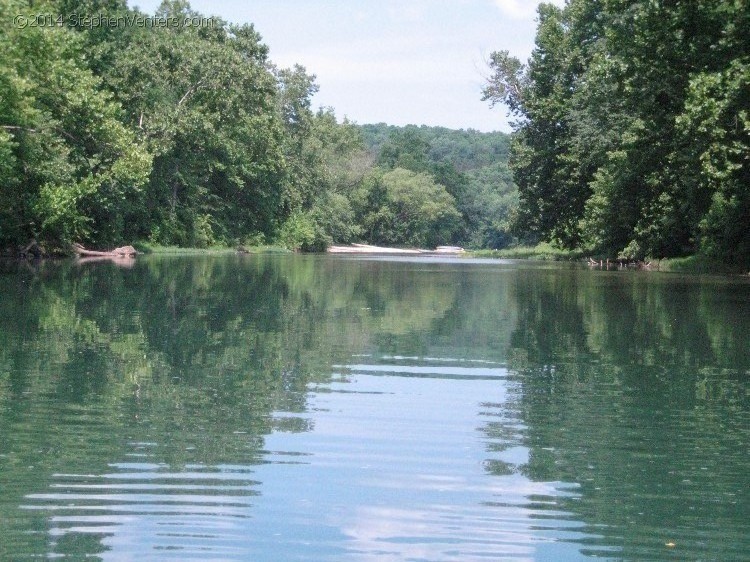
(343, 408)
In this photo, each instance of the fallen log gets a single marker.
(32, 249)
(121, 252)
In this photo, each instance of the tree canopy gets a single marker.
(189, 135)
(632, 138)
(632, 132)
(470, 165)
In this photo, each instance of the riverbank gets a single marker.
(542, 252)
(695, 264)
(698, 264)
(146, 248)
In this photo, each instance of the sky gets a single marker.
(399, 62)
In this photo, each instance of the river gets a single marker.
(372, 409)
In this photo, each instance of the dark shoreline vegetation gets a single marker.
(632, 138)
(631, 143)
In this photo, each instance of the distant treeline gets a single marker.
(189, 135)
(633, 128)
(471, 166)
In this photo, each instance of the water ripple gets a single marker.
(142, 509)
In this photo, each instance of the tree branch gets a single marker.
(190, 91)
(18, 128)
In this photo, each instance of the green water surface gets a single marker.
(347, 408)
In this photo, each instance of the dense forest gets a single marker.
(178, 129)
(632, 138)
(470, 165)
(632, 132)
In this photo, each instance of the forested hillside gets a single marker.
(465, 150)
(633, 128)
(177, 129)
(472, 166)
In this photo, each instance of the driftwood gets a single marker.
(623, 264)
(32, 249)
(122, 252)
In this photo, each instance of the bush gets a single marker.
(298, 232)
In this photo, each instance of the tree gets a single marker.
(632, 127)
(538, 94)
(470, 165)
(409, 208)
(205, 104)
(405, 148)
(73, 170)
(326, 164)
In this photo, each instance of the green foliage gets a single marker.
(335, 220)
(326, 165)
(405, 148)
(488, 204)
(465, 150)
(470, 165)
(410, 209)
(299, 232)
(543, 251)
(73, 169)
(190, 136)
(173, 134)
(698, 263)
(715, 127)
(632, 137)
(207, 105)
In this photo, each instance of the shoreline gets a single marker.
(693, 264)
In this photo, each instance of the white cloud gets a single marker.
(522, 9)
(390, 60)
(412, 11)
(435, 532)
